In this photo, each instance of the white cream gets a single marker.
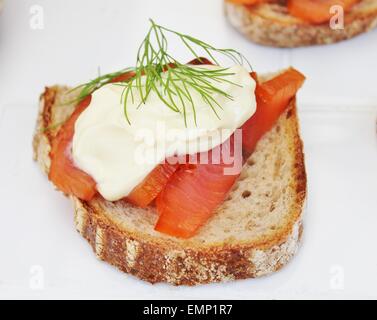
(119, 155)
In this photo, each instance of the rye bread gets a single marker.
(255, 232)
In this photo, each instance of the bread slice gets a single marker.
(255, 232)
(271, 24)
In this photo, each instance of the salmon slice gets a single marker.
(272, 97)
(145, 192)
(195, 191)
(63, 173)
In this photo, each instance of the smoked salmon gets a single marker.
(63, 173)
(272, 97)
(195, 191)
(145, 192)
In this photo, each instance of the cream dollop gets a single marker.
(119, 155)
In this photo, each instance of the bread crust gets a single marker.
(179, 263)
(270, 24)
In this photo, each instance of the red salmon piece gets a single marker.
(272, 97)
(63, 173)
(195, 191)
(145, 192)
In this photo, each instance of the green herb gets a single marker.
(158, 71)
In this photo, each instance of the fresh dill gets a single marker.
(158, 71)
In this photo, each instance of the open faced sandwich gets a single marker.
(295, 23)
(185, 173)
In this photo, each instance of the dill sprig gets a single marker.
(173, 82)
(89, 87)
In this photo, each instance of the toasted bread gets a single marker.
(255, 232)
(271, 24)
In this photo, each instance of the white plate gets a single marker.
(42, 256)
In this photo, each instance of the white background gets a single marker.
(338, 107)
